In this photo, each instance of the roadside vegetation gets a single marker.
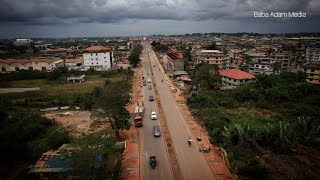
(134, 57)
(26, 134)
(260, 123)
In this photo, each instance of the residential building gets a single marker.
(98, 58)
(235, 77)
(41, 64)
(312, 55)
(261, 66)
(212, 57)
(312, 71)
(283, 58)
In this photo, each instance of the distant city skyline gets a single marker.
(97, 18)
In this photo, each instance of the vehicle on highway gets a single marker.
(156, 131)
(149, 80)
(138, 116)
(189, 141)
(144, 83)
(149, 87)
(153, 161)
(151, 98)
(153, 115)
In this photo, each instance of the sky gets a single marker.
(92, 18)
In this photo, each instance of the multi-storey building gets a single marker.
(312, 55)
(98, 58)
(235, 77)
(261, 66)
(283, 58)
(212, 57)
(312, 71)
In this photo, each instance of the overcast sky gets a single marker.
(80, 18)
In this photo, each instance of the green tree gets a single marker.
(207, 76)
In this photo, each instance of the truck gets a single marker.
(138, 116)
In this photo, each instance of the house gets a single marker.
(174, 61)
(212, 57)
(41, 64)
(74, 64)
(235, 77)
(98, 58)
(312, 71)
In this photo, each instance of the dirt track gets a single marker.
(14, 90)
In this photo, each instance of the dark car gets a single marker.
(149, 87)
(151, 98)
(156, 131)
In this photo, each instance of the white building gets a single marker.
(74, 64)
(56, 64)
(312, 55)
(22, 42)
(235, 77)
(98, 58)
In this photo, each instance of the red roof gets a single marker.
(236, 74)
(97, 48)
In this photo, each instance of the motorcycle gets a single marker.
(189, 141)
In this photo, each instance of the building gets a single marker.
(312, 71)
(312, 55)
(212, 57)
(74, 64)
(98, 58)
(22, 42)
(235, 77)
(261, 66)
(283, 58)
(41, 64)
(56, 64)
(174, 61)
(76, 79)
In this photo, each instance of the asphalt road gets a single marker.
(150, 145)
(192, 162)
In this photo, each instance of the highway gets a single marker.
(193, 164)
(150, 145)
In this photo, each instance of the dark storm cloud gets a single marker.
(112, 11)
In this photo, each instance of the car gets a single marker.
(156, 131)
(149, 87)
(149, 80)
(153, 115)
(144, 83)
(151, 98)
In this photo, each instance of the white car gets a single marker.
(149, 80)
(153, 115)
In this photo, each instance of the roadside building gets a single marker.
(312, 55)
(98, 58)
(235, 77)
(212, 57)
(41, 64)
(174, 61)
(74, 64)
(312, 71)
